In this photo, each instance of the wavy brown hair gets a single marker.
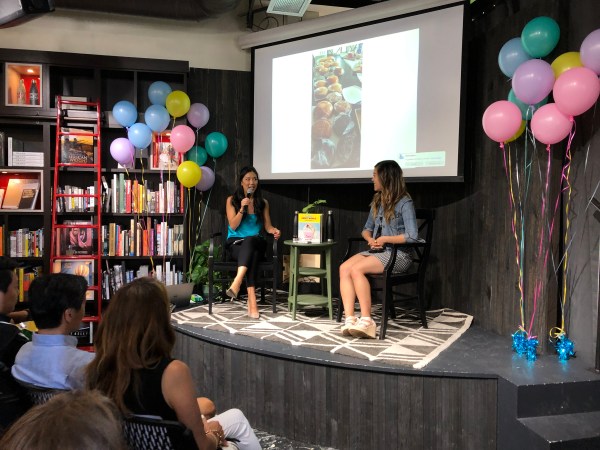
(71, 420)
(135, 333)
(393, 188)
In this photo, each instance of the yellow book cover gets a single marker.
(310, 228)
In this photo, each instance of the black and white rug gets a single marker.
(406, 342)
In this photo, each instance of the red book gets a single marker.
(128, 196)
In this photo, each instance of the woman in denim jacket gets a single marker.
(391, 221)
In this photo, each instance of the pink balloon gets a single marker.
(533, 81)
(122, 151)
(198, 115)
(590, 51)
(549, 125)
(576, 91)
(207, 180)
(182, 138)
(501, 120)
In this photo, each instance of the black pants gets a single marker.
(248, 253)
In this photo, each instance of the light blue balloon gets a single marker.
(158, 92)
(157, 118)
(512, 55)
(526, 111)
(125, 113)
(140, 135)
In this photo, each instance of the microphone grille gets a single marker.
(249, 192)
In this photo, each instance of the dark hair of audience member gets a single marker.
(51, 295)
(73, 420)
(7, 267)
(135, 333)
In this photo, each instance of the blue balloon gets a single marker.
(158, 92)
(512, 55)
(157, 118)
(140, 135)
(125, 113)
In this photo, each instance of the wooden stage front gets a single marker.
(477, 394)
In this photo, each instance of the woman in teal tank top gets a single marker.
(248, 219)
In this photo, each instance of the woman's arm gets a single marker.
(234, 217)
(180, 394)
(267, 221)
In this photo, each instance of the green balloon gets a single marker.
(216, 144)
(197, 154)
(526, 111)
(540, 36)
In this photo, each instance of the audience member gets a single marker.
(11, 339)
(391, 220)
(248, 218)
(68, 421)
(13, 400)
(52, 359)
(134, 367)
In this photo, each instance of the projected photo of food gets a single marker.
(336, 106)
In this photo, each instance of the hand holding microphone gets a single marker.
(249, 193)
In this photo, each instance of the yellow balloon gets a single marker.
(565, 62)
(178, 103)
(518, 133)
(189, 173)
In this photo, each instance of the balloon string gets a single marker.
(538, 284)
(511, 202)
(568, 223)
(209, 192)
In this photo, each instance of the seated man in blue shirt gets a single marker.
(52, 359)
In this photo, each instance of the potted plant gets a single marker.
(198, 268)
(309, 208)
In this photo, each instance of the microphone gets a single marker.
(249, 193)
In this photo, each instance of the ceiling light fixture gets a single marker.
(288, 7)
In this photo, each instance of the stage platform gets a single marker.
(477, 394)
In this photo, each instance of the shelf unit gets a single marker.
(108, 79)
(75, 246)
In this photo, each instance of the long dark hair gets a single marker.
(135, 333)
(393, 188)
(238, 195)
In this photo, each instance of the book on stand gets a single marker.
(15, 189)
(82, 267)
(78, 147)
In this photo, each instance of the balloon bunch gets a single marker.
(572, 79)
(166, 104)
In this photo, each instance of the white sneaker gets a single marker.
(365, 328)
(350, 321)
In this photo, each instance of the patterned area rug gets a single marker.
(406, 342)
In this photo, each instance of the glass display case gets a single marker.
(23, 85)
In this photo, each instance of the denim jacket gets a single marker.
(404, 222)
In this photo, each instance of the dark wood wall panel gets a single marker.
(344, 408)
(473, 255)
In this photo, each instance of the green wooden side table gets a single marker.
(296, 300)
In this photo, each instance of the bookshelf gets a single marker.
(108, 79)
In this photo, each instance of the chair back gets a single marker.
(425, 218)
(38, 395)
(143, 433)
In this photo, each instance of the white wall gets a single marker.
(210, 43)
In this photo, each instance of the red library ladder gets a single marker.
(87, 265)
